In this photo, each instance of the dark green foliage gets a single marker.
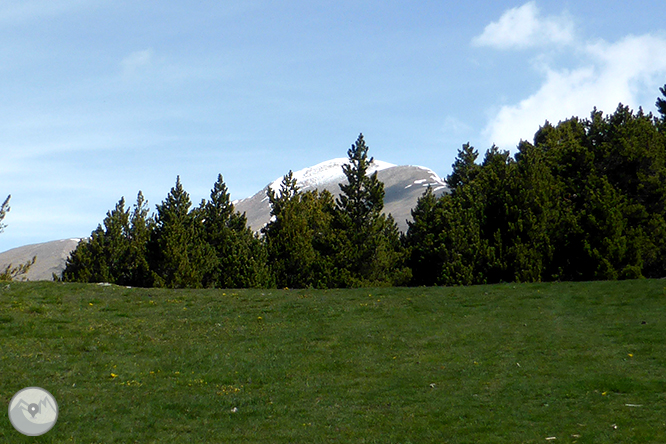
(586, 201)
(179, 254)
(610, 173)
(534, 214)
(115, 252)
(206, 246)
(313, 241)
(444, 239)
(423, 239)
(362, 198)
(492, 227)
(368, 247)
(137, 269)
(299, 236)
(240, 255)
(465, 169)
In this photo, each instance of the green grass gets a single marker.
(486, 364)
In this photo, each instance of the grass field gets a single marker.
(579, 362)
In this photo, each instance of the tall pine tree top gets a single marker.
(218, 210)
(464, 168)
(362, 198)
(288, 190)
(176, 206)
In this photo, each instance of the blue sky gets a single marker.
(103, 98)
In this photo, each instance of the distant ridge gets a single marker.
(51, 257)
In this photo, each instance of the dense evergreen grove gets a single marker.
(585, 200)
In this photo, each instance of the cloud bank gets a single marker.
(609, 74)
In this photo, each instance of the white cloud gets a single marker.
(523, 27)
(620, 72)
(628, 71)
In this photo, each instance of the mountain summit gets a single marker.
(325, 173)
(403, 185)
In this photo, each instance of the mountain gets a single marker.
(403, 185)
(51, 257)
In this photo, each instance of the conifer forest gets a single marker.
(584, 200)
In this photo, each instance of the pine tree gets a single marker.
(180, 256)
(444, 238)
(289, 248)
(362, 198)
(586, 201)
(494, 179)
(101, 257)
(463, 253)
(423, 241)
(589, 236)
(465, 169)
(248, 263)
(298, 238)
(137, 268)
(319, 211)
(367, 249)
(116, 251)
(240, 256)
(534, 195)
(79, 264)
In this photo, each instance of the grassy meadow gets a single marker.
(511, 363)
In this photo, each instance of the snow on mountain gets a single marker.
(437, 183)
(403, 185)
(325, 173)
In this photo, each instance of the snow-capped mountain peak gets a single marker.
(326, 172)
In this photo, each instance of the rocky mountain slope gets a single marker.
(51, 257)
(403, 186)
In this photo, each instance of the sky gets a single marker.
(104, 98)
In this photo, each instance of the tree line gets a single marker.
(585, 200)
(312, 240)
